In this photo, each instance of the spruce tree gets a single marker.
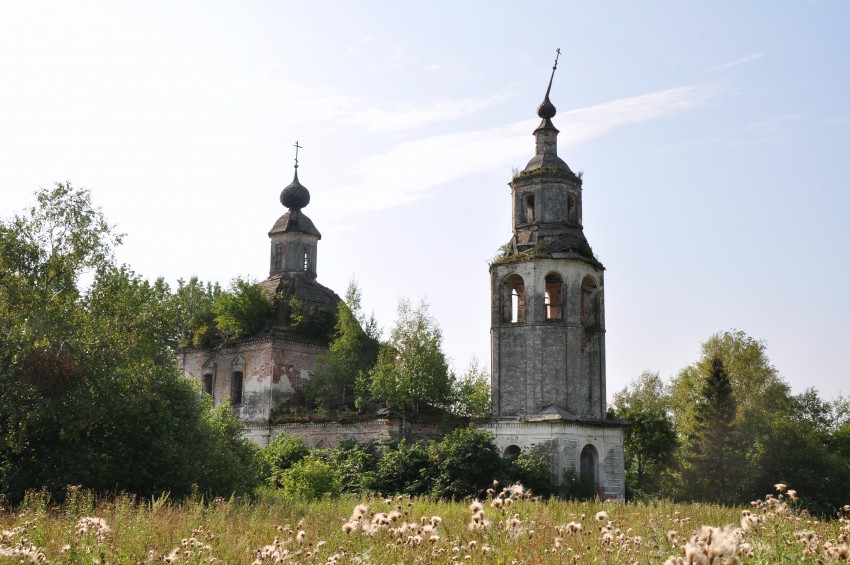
(713, 441)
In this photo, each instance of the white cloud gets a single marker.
(741, 61)
(409, 116)
(426, 163)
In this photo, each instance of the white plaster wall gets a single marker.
(563, 442)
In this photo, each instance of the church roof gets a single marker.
(302, 287)
(554, 413)
(295, 221)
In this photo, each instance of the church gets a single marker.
(547, 331)
(267, 371)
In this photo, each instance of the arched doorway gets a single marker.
(589, 461)
(511, 452)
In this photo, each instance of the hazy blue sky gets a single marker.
(713, 138)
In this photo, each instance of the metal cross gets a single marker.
(557, 54)
(297, 147)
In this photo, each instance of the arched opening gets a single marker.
(236, 382)
(572, 210)
(513, 299)
(511, 452)
(588, 464)
(208, 383)
(528, 200)
(589, 304)
(278, 257)
(553, 297)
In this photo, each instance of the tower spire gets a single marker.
(547, 110)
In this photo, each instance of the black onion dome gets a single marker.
(295, 196)
(546, 110)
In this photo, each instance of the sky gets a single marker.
(714, 139)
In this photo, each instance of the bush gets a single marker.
(283, 452)
(355, 464)
(402, 469)
(532, 470)
(575, 487)
(309, 479)
(463, 463)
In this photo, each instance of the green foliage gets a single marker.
(576, 487)
(193, 303)
(313, 321)
(402, 469)
(532, 470)
(650, 442)
(89, 389)
(411, 369)
(463, 463)
(242, 310)
(309, 479)
(471, 392)
(355, 464)
(284, 451)
(351, 354)
(713, 451)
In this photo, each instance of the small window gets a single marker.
(529, 208)
(278, 256)
(208, 384)
(306, 260)
(236, 388)
(572, 211)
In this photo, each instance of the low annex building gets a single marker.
(267, 371)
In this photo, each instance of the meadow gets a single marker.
(505, 526)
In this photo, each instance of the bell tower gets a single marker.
(547, 301)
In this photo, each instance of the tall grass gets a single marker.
(507, 527)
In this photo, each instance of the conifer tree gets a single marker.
(712, 452)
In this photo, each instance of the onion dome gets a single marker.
(546, 110)
(295, 196)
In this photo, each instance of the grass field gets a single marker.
(506, 527)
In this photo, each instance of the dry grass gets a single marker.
(508, 527)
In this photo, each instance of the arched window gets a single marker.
(208, 384)
(511, 452)
(236, 380)
(528, 200)
(306, 259)
(513, 299)
(589, 304)
(278, 256)
(572, 210)
(553, 298)
(589, 459)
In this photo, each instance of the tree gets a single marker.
(411, 369)
(243, 310)
(650, 441)
(713, 450)
(760, 397)
(193, 304)
(351, 354)
(90, 393)
(471, 392)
